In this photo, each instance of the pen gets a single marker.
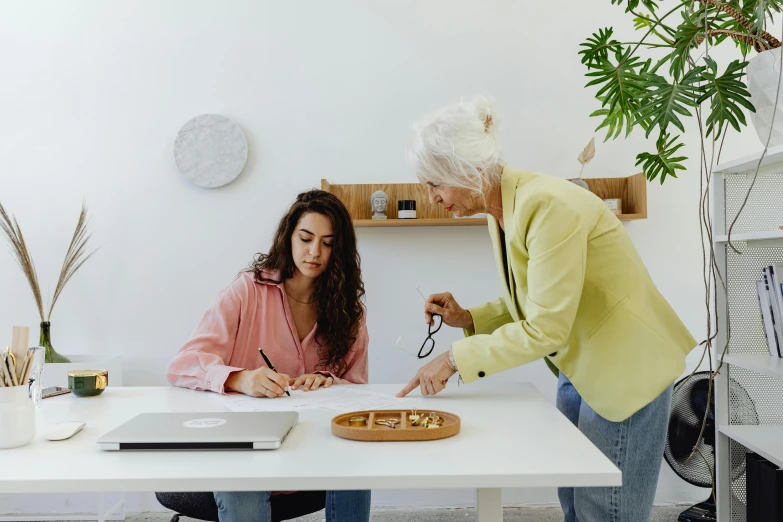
(271, 366)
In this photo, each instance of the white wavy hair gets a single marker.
(455, 146)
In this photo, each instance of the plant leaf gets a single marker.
(662, 162)
(621, 81)
(617, 119)
(633, 4)
(587, 154)
(621, 85)
(598, 46)
(684, 41)
(728, 96)
(640, 22)
(758, 11)
(665, 102)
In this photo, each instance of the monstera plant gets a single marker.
(667, 74)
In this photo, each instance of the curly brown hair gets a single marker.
(338, 290)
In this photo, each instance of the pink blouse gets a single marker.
(244, 317)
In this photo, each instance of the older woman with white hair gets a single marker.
(575, 293)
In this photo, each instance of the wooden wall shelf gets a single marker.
(447, 222)
(632, 190)
(356, 197)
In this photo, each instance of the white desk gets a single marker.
(511, 437)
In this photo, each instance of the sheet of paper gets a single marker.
(296, 402)
(346, 398)
(340, 398)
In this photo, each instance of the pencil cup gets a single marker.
(17, 417)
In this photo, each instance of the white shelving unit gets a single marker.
(758, 237)
(748, 163)
(760, 363)
(764, 440)
(767, 239)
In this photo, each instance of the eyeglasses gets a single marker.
(429, 343)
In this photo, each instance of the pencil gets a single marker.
(271, 366)
(24, 370)
(33, 353)
(10, 362)
(8, 381)
(27, 369)
(21, 367)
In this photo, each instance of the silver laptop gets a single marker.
(201, 431)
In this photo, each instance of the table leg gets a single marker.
(489, 505)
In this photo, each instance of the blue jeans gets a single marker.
(634, 445)
(254, 506)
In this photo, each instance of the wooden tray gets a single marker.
(403, 431)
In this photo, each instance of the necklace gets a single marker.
(297, 300)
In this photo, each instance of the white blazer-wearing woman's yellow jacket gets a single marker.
(578, 294)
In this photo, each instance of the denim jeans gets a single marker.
(634, 445)
(254, 506)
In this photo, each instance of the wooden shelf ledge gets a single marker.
(356, 197)
(764, 440)
(632, 190)
(448, 222)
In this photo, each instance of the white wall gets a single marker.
(93, 94)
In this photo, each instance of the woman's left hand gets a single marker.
(431, 377)
(311, 381)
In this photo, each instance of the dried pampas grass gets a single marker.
(75, 257)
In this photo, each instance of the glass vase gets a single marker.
(51, 356)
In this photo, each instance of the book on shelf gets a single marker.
(767, 318)
(752, 509)
(771, 491)
(763, 490)
(770, 295)
(776, 296)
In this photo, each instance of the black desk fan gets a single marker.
(689, 406)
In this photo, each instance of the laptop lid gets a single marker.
(201, 431)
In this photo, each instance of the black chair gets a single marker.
(202, 506)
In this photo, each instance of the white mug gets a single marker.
(17, 417)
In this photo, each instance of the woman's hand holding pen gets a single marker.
(262, 382)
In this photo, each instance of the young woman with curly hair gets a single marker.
(300, 303)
